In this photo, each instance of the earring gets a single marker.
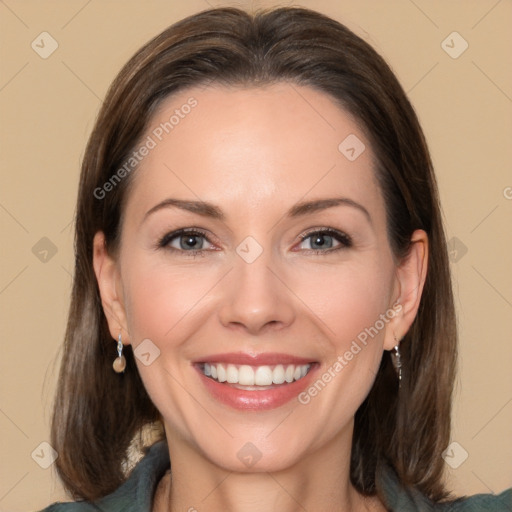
(397, 361)
(120, 361)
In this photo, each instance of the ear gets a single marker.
(110, 287)
(410, 279)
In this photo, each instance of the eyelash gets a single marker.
(341, 237)
(169, 237)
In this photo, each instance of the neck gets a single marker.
(319, 481)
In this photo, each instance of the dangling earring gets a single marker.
(397, 361)
(120, 361)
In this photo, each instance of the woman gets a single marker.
(261, 279)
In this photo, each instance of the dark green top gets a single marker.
(136, 494)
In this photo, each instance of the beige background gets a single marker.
(48, 107)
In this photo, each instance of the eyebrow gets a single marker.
(206, 209)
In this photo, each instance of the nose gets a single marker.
(256, 297)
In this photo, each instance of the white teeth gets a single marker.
(288, 374)
(278, 374)
(263, 376)
(221, 373)
(246, 375)
(232, 374)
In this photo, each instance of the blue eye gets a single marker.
(321, 241)
(184, 240)
(190, 242)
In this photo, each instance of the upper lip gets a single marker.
(267, 358)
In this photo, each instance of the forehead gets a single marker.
(247, 147)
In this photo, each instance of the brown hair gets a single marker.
(98, 413)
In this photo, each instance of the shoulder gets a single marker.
(70, 507)
(136, 494)
(483, 503)
(396, 497)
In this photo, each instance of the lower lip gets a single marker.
(259, 400)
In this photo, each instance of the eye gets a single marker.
(190, 241)
(323, 240)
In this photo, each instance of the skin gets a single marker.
(256, 152)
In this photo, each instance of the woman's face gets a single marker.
(265, 288)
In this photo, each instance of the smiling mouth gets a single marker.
(254, 377)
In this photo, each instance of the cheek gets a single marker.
(347, 298)
(160, 297)
(352, 302)
(166, 302)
